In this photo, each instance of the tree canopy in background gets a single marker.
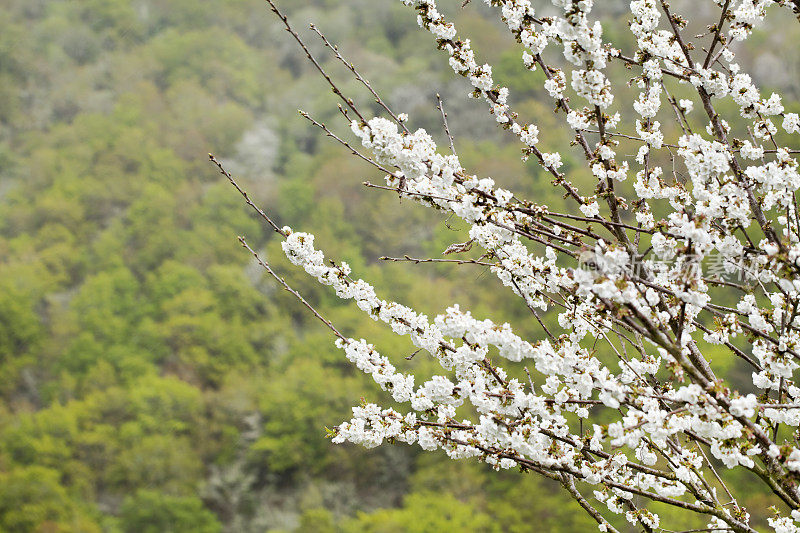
(151, 379)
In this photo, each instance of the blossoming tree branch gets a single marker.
(626, 273)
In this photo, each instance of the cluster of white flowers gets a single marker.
(642, 296)
(369, 361)
(746, 15)
(785, 524)
(791, 123)
(463, 62)
(572, 374)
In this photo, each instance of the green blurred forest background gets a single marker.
(151, 378)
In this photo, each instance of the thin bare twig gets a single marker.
(286, 286)
(344, 143)
(351, 67)
(417, 261)
(245, 195)
(440, 107)
(283, 18)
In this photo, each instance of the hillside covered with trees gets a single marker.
(151, 378)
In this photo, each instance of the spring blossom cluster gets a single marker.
(624, 275)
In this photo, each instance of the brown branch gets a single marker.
(244, 194)
(286, 286)
(283, 18)
(440, 107)
(349, 65)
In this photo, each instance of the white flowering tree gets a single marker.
(635, 271)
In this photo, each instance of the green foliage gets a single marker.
(426, 512)
(20, 325)
(33, 499)
(319, 520)
(151, 377)
(151, 512)
(297, 408)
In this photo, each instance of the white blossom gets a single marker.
(636, 282)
